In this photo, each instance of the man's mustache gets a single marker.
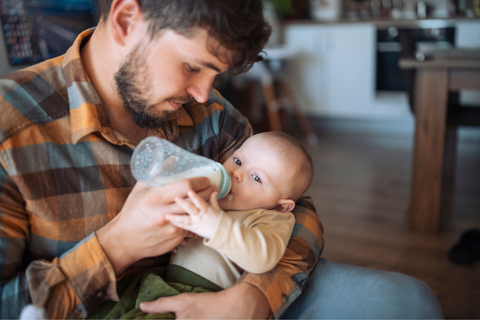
(182, 100)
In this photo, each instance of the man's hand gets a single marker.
(140, 230)
(242, 301)
(184, 242)
(201, 218)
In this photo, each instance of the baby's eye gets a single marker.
(237, 162)
(256, 178)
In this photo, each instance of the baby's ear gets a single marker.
(285, 205)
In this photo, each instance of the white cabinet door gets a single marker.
(467, 35)
(333, 72)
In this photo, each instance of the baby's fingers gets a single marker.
(180, 221)
(214, 200)
(197, 200)
(186, 205)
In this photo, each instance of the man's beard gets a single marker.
(134, 97)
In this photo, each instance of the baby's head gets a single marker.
(271, 170)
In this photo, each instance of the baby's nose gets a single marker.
(236, 175)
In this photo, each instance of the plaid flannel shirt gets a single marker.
(64, 173)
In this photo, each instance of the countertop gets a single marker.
(385, 24)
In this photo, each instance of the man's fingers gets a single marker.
(214, 200)
(173, 208)
(181, 221)
(162, 305)
(167, 193)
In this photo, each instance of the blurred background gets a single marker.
(330, 77)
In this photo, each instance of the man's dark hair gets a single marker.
(238, 25)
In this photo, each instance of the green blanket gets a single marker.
(148, 286)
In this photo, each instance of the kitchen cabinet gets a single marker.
(467, 35)
(333, 71)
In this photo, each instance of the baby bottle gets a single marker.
(157, 162)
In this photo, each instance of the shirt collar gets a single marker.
(87, 113)
(183, 118)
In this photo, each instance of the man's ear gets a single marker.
(121, 19)
(285, 205)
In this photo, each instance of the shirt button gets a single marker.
(100, 294)
(284, 299)
(79, 312)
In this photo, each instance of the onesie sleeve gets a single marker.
(282, 285)
(255, 244)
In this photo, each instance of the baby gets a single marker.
(248, 229)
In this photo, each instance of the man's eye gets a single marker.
(256, 178)
(237, 162)
(190, 69)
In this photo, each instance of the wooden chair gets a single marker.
(273, 81)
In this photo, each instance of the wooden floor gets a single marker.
(361, 188)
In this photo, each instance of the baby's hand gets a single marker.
(201, 218)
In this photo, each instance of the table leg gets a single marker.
(272, 107)
(431, 95)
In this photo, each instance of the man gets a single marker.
(71, 223)
(72, 219)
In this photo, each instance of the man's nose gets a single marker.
(200, 88)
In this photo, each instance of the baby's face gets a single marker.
(260, 176)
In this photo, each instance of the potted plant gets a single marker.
(274, 9)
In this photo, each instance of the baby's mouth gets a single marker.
(229, 195)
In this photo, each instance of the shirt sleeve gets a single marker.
(257, 243)
(284, 284)
(70, 286)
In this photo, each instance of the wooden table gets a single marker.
(434, 78)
